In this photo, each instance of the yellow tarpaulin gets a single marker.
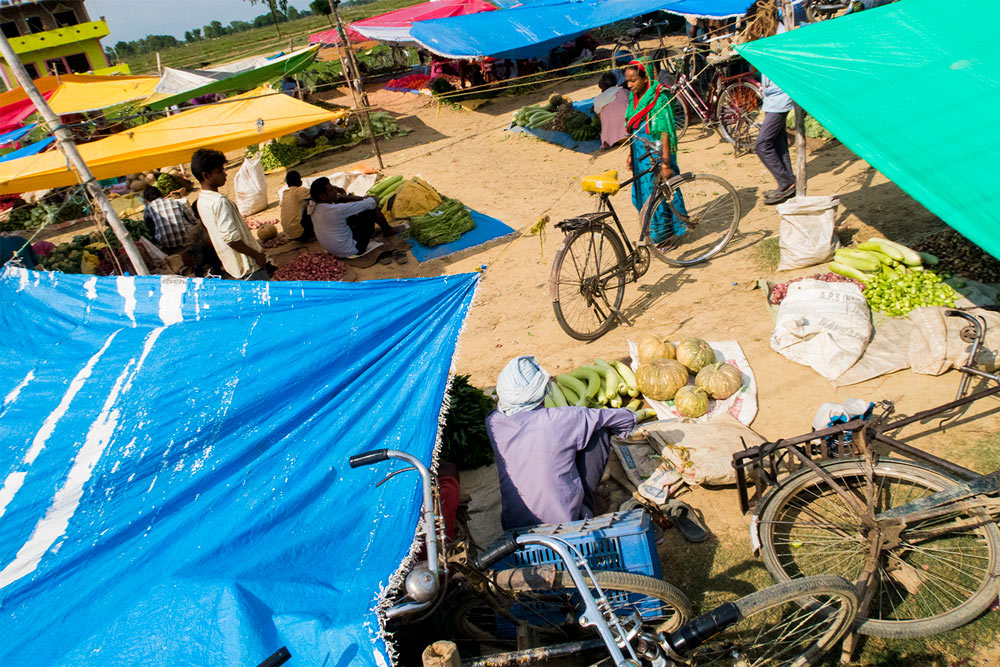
(85, 92)
(76, 97)
(256, 116)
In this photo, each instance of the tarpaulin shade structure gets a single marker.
(30, 149)
(76, 93)
(14, 135)
(909, 94)
(535, 28)
(12, 115)
(251, 118)
(257, 73)
(176, 488)
(331, 36)
(175, 80)
(395, 26)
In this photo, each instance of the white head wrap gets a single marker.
(521, 385)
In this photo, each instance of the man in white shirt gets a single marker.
(345, 224)
(241, 255)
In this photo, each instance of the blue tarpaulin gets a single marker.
(174, 487)
(537, 27)
(14, 135)
(30, 149)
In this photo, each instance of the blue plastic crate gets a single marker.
(620, 542)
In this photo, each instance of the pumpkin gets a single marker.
(695, 354)
(651, 349)
(267, 232)
(691, 401)
(720, 380)
(661, 380)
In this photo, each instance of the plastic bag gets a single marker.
(807, 231)
(250, 186)
(825, 326)
(89, 263)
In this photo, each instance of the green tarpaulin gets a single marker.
(242, 80)
(913, 88)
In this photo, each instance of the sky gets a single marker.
(133, 19)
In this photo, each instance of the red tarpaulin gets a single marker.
(395, 26)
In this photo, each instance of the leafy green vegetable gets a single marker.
(464, 440)
(442, 225)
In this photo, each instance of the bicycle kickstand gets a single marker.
(620, 316)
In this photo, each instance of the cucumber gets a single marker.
(577, 387)
(557, 395)
(910, 257)
(882, 246)
(570, 395)
(593, 381)
(614, 382)
(849, 272)
(858, 259)
(384, 184)
(628, 377)
(928, 258)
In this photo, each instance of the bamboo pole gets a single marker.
(345, 43)
(64, 139)
(788, 16)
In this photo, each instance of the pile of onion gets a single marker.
(311, 266)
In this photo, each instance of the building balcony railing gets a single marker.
(59, 37)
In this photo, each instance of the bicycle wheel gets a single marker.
(624, 51)
(550, 606)
(709, 208)
(740, 113)
(931, 582)
(790, 624)
(682, 117)
(587, 283)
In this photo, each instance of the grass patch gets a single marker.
(766, 254)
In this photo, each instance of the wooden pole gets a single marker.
(345, 43)
(64, 139)
(788, 16)
(159, 65)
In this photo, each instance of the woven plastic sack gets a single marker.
(807, 231)
(250, 186)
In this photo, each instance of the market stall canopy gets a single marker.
(535, 28)
(253, 73)
(30, 149)
(395, 26)
(174, 81)
(251, 118)
(77, 93)
(14, 135)
(331, 36)
(867, 79)
(175, 473)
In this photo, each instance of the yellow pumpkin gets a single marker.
(695, 354)
(661, 380)
(720, 380)
(652, 349)
(691, 401)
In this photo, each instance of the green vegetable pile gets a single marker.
(464, 440)
(601, 384)
(582, 127)
(385, 125)
(894, 276)
(440, 86)
(276, 155)
(444, 224)
(387, 187)
(813, 129)
(166, 184)
(66, 257)
(558, 115)
(33, 217)
(898, 296)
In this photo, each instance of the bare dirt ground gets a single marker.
(517, 179)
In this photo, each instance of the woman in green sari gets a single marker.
(649, 116)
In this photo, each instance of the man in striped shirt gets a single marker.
(175, 226)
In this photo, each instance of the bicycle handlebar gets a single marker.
(368, 458)
(495, 554)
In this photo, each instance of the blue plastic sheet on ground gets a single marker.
(175, 487)
(535, 28)
(30, 149)
(487, 229)
(562, 138)
(14, 135)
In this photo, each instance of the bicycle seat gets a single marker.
(602, 184)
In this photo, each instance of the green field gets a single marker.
(203, 54)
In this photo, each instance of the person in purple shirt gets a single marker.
(549, 460)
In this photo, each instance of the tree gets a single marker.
(275, 6)
(321, 7)
(292, 14)
(214, 29)
(197, 34)
(239, 26)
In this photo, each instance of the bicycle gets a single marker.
(594, 262)
(788, 624)
(732, 104)
(919, 537)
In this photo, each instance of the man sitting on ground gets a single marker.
(550, 461)
(174, 225)
(241, 255)
(297, 227)
(344, 224)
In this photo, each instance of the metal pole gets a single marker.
(800, 116)
(64, 139)
(345, 42)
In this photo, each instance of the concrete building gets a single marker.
(51, 36)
